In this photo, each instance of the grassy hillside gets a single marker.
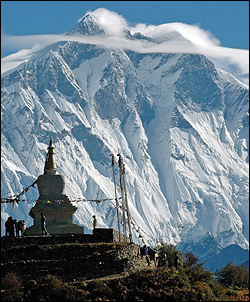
(113, 281)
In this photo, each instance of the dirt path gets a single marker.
(117, 275)
(123, 274)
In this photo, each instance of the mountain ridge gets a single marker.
(172, 116)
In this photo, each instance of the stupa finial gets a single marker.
(50, 164)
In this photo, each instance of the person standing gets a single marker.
(21, 227)
(176, 259)
(43, 225)
(16, 227)
(162, 259)
(10, 227)
(94, 222)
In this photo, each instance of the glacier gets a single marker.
(180, 123)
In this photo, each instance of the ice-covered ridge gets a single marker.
(186, 153)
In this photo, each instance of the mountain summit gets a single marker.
(180, 123)
(86, 26)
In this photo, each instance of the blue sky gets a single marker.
(227, 21)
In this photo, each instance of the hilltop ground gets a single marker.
(100, 272)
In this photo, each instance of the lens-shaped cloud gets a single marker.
(164, 38)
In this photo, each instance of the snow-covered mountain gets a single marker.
(180, 124)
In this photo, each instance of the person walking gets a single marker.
(152, 255)
(43, 225)
(144, 254)
(94, 222)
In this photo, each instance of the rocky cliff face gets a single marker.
(181, 125)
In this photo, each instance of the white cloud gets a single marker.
(193, 33)
(113, 23)
(205, 43)
(166, 38)
(12, 61)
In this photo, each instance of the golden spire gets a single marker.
(50, 164)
